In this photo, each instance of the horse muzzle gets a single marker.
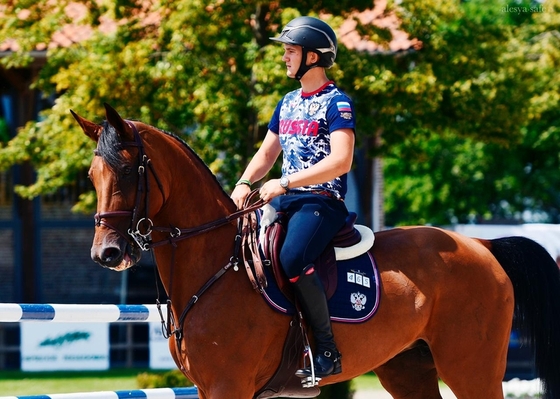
(115, 254)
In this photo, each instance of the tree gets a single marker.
(206, 70)
(202, 69)
(486, 152)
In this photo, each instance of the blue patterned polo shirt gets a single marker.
(304, 122)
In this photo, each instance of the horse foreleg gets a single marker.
(411, 375)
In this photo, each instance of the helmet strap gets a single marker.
(303, 67)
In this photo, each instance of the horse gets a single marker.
(447, 301)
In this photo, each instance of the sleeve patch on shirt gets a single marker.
(343, 106)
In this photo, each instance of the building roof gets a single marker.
(349, 36)
(380, 18)
(77, 31)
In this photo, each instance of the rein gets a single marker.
(141, 230)
(240, 239)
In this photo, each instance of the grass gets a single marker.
(36, 383)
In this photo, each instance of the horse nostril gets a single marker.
(110, 254)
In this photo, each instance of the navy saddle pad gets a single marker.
(355, 300)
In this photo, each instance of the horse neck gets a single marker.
(194, 198)
(192, 193)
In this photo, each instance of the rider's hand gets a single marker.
(271, 189)
(240, 192)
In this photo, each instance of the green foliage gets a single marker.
(4, 131)
(169, 379)
(478, 151)
(467, 124)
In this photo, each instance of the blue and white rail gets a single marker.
(14, 313)
(159, 393)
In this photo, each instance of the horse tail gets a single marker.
(536, 282)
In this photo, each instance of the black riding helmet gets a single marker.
(311, 34)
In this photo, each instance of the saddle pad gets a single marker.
(355, 300)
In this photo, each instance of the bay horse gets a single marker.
(447, 301)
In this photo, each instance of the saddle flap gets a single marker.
(272, 241)
(284, 382)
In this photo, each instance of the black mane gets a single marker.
(109, 148)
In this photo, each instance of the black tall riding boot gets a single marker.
(311, 295)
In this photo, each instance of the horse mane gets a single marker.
(109, 148)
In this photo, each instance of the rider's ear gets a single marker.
(118, 123)
(92, 130)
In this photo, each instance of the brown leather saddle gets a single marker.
(325, 265)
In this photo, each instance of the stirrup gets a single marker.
(322, 370)
(311, 380)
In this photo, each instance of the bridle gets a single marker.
(141, 229)
(142, 239)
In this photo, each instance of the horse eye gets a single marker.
(127, 170)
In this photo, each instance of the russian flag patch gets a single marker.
(343, 106)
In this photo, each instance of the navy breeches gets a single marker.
(313, 221)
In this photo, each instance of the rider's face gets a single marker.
(292, 58)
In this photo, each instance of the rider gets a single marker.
(314, 128)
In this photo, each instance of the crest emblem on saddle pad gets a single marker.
(358, 301)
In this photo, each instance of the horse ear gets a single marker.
(118, 123)
(92, 130)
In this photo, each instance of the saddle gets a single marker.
(262, 234)
(350, 241)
